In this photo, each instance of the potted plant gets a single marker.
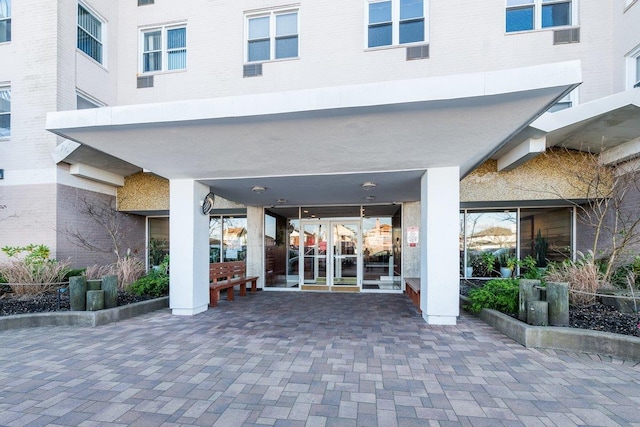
(507, 264)
(540, 249)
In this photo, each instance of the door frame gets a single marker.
(331, 257)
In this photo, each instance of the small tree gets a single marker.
(603, 204)
(116, 225)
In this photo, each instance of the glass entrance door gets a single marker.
(346, 259)
(332, 258)
(314, 242)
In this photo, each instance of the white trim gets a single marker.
(271, 14)
(395, 25)
(163, 49)
(537, 14)
(84, 95)
(632, 63)
(349, 96)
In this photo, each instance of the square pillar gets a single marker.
(255, 242)
(189, 248)
(439, 247)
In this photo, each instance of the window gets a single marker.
(495, 233)
(5, 112)
(394, 22)
(84, 102)
(525, 15)
(633, 68)
(90, 34)
(568, 101)
(5, 21)
(272, 36)
(227, 238)
(164, 48)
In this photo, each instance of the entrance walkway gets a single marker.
(303, 359)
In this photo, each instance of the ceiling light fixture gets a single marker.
(368, 186)
(258, 189)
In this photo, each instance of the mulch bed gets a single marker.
(11, 304)
(596, 317)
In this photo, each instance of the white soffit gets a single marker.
(521, 153)
(394, 126)
(605, 122)
(95, 174)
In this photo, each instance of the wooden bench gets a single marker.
(412, 289)
(226, 275)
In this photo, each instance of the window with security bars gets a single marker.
(5, 112)
(164, 49)
(90, 37)
(273, 35)
(5, 21)
(526, 15)
(394, 22)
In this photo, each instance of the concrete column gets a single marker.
(255, 243)
(189, 250)
(439, 252)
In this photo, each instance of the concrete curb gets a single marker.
(558, 338)
(82, 318)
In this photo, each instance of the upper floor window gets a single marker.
(394, 22)
(5, 112)
(84, 101)
(633, 68)
(90, 30)
(5, 21)
(272, 36)
(164, 49)
(524, 15)
(568, 101)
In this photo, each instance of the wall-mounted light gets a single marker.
(368, 186)
(370, 198)
(258, 189)
(282, 201)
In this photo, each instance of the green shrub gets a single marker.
(496, 294)
(155, 284)
(73, 273)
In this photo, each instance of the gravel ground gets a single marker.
(10, 304)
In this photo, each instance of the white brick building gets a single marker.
(332, 132)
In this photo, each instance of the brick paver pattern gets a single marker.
(304, 359)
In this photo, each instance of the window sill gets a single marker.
(395, 46)
(293, 58)
(159, 73)
(542, 30)
(93, 61)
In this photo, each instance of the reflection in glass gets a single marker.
(227, 239)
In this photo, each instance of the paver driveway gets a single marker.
(303, 359)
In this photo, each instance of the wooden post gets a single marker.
(558, 299)
(77, 293)
(110, 288)
(538, 313)
(95, 300)
(528, 292)
(93, 284)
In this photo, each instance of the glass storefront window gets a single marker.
(227, 238)
(489, 237)
(158, 246)
(497, 234)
